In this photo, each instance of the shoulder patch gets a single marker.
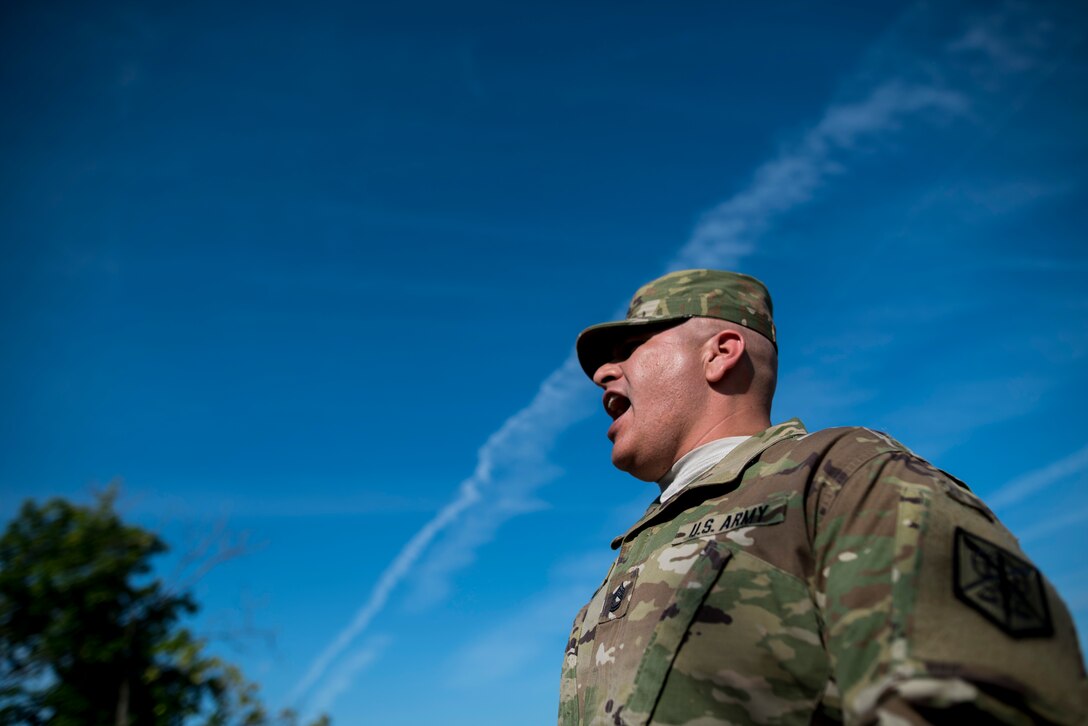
(1003, 588)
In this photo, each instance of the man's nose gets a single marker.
(606, 373)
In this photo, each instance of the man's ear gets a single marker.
(724, 351)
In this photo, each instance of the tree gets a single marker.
(88, 637)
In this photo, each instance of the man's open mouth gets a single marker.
(616, 404)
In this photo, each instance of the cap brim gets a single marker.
(596, 343)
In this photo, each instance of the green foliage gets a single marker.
(88, 637)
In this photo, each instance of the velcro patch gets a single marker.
(1003, 588)
(758, 515)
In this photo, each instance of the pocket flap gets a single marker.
(689, 593)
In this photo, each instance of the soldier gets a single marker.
(792, 577)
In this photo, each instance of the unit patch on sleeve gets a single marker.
(770, 512)
(1003, 588)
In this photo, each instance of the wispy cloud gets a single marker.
(345, 675)
(1075, 464)
(513, 463)
(951, 410)
(727, 233)
(1053, 524)
(989, 39)
(512, 645)
(393, 574)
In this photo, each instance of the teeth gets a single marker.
(616, 405)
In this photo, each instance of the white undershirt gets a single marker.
(695, 463)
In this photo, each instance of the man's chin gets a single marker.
(631, 465)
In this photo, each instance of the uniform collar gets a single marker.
(725, 471)
(694, 464)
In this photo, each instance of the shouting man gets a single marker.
(788, 577)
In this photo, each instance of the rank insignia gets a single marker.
(1003, 588)
(618, 599)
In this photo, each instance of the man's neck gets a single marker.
(695, 463)
(735, 422)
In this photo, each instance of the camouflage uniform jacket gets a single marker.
(826, 577)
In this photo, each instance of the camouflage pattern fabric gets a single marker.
(677, 296)
(821, 578)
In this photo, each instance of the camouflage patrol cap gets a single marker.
(676, 297)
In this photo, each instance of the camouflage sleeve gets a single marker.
(930, 609)
(568, 683)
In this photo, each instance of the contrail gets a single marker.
(513, 462)
(728, 232)
(353, 665)
(1055, 523)
(1034, 481)
(394, 573)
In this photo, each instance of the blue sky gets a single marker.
(312, 277)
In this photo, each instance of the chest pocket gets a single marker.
(649, 625)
